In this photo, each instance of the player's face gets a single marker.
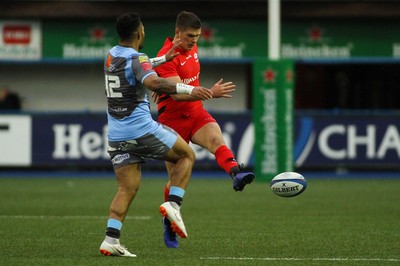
(189, 38)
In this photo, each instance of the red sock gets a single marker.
(225, 158)
(166, 192)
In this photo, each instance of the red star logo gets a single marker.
(315, 34)
(269, 75)
(207, 34)
(97, 33)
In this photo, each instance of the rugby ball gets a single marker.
(288, 184)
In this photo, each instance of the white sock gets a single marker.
(112, 240)
(175, 205)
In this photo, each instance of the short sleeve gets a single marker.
(141, 67)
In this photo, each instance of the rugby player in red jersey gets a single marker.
(186, 114)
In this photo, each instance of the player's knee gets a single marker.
(216, 141)
(133, 187)
(129, 189)
(191, 155)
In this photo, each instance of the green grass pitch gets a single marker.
(61, 221)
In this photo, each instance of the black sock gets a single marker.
(174, 198)
(112, 232)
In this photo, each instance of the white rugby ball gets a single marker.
(288, 184)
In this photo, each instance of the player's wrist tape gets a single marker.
(182, 88)
(158, 60)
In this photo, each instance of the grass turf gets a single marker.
(62, 221)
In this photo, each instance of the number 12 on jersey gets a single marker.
(112, 83)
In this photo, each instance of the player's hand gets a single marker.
(171, 54)
(223, 90)
(202, 93)
(156, 97)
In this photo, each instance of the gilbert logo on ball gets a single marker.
(288, 184)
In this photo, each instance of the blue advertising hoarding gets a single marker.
(69, 139)
(321, 141)
(355, 140)
(81, 139)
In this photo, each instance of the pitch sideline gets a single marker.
(299, 259)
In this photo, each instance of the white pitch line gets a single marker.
(300, 259)
(67, 217)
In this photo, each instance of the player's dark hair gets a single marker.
(127, 24)
(187, 20)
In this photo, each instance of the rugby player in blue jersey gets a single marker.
(133, 135)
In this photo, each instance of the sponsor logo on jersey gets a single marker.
(145, 62)
(191, 79)
(143, 58)
(146, 66)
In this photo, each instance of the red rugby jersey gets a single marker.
(186, 65)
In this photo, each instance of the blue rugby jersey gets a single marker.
(128, 109)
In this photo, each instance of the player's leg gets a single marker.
(128, 180)
(182, 126)
(170, 237)
(207, 133)
(180, 163)
(209, 136)
(179, 124)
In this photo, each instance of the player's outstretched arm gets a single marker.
(161, 86)
(220, 90)
(178, 97)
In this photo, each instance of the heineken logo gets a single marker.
(315, 34)
(97, 33)
(315, 43)
(324, 51)
(95, 43)
(269, 75)
(212, 45)
(268, 122)
(207, 33)
(71, 50)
